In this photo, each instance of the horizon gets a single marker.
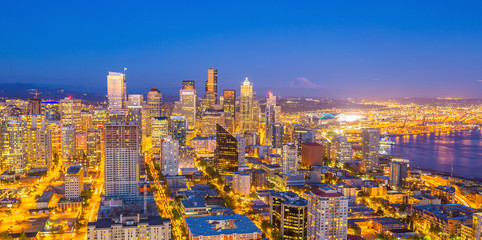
(361, 50)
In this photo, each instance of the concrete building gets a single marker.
(130, 227)
(170, 156)
(340, 149)
(289, 159)
(70, 113)
(222, 227)
(242, 183)
(74, 182)
(370, 147)
(121, 163)
(327, 214)
(312, 154)
(69, 145)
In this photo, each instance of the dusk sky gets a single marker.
(354, 49)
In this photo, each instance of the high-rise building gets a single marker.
(477, 226)
(38, 142)
(135, 100)
(122, 161)
(270, 112)
(312, 154)
(370, 147)
(188, 85)
(289, 160)
(229, 106)
(289, 214)
(340, 149)
(56, 139)
(170, 157)
(242, 183)
(160, 131)
(398, 171)
(188, 100)
(211, 90)
(226, 153)
(209, 121)
(34, 106)
(134, 115)
(86, 121)
(74, 182)
(70, 113)
(94, 150)
(51, 110)
(154, 102)
(275, 134)
(68, 145)
(241, 149)
(178, 129)
(186, 157)
(116, 91)
(13, 149)
(246, 107)
(327, 214)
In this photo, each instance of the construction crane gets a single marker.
(34, 92)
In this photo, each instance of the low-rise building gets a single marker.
(130, 227)
(222, 227)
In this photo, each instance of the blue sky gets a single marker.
(348, 49)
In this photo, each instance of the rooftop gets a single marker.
(73, 170)
(221, 225)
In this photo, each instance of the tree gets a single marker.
(5, 235)
(22, 236)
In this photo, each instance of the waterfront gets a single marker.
(440, 151)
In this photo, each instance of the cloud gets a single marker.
(303, 83)
(479, 80)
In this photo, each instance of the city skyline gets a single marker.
(369, 49)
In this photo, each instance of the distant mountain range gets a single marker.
(27, 90)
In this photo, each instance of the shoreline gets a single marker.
(446, 174)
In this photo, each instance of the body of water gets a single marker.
(440, 151)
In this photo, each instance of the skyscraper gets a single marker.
(327, 214)
(226, 153)
(70, 113)
(38, 142)
(289, 160)
(229, 106)
(288, 214)
(13, 149)
(135, 100)
(170, 157)
(241, 149)
(270, 112)
(160, 131)
(178, 129)
(398, 171)
(370, 147)
(246, 107)
(188, 100)
(116, 91)
(340, 149)
(275, 134)
(154, 102)
(211, 91)
(68, 145)
(122, 161)
(34, 106)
